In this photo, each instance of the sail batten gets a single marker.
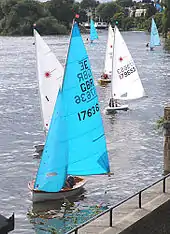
(126, 83)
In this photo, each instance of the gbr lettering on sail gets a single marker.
(87, 90)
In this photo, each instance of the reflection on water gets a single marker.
(61, 216)
(135, 147)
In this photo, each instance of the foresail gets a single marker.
(109, 52)
(93, 31)
(87, 152)
(126, 83)
(52, 171)
(50, 76)
(154, 39)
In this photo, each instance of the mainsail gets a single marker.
(126, 83)
(109, 52)
(93, 31)
(50, 76)
(154, 39)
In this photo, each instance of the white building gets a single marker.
(140, 12)
(136, 12)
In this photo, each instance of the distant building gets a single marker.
(140, 12)
(136, 12)
(147, 1)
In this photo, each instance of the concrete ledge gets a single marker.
(153, 217)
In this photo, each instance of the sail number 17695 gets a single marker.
(82, 115)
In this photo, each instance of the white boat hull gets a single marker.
(112, 110)
(40, 196)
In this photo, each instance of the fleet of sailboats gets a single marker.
(125, 80)
(154, 37)
(75, 143)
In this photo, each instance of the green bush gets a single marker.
(50, 26)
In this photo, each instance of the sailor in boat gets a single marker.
(113, 102)
(70, 182)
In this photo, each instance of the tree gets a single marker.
(151, 10)
(166, 18)
(119, 18)
(89, 4)
(19, 16)
(50, 26)
(62, 10)
(125, 3)
(82, 12)
(6, 6)
(107, 10)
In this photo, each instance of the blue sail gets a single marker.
(93, 31)
(154, 39)
(87, 153)
(52, 171)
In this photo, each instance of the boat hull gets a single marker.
(40, 196)
(104, 81)
(112, 110)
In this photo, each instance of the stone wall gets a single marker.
(157, 222)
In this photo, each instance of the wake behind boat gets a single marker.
(125, 81)
(50, 76)
(75, 143)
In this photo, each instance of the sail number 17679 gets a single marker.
(82, 115)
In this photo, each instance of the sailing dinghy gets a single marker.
(75, 143)
(106, 76)
(126, 83)
(93, 32)
(154, 38)
(50, 76)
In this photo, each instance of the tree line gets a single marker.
(55, 16)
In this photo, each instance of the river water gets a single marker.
(134, 144)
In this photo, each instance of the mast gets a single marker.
(113, 60)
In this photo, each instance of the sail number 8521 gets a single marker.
(88, 113)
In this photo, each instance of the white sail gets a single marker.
(50, 77)
(126, 83)
(109, 52)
